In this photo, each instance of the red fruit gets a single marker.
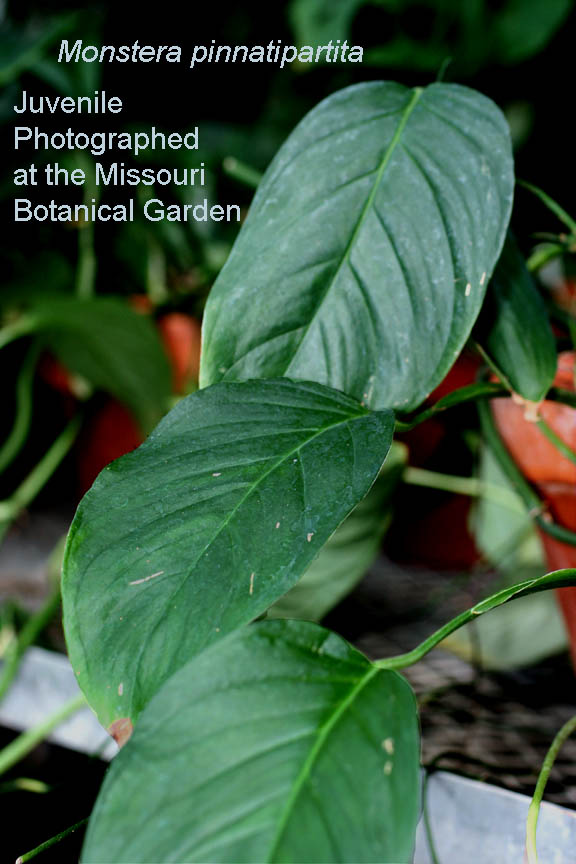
(181, 335)
(553, 474)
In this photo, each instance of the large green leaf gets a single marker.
(369, 245)
(281, 743)
(110, 345)
(204, 526)
(349, 552)
(514, 329)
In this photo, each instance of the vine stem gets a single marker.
(411, 657)
(534, 809)
(23, 413)
(86, 266)
(25, 784)
(552, 205)
(35, 624)
(38, 477)
(555, 439)
(28, 856)
(241, 172)
(470, 486)
(23, 326)
(27, 741)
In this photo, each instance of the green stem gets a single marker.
(155, 271)
(471, 486)
(560, 445)
(240, 171)
(28, 856)
(23, 326)
(470, 393)
(38, 477)
(86, 266)
(534, 809)
(19, 432)
(543, 254)
(557, 579)
(33, 627)
(25, 784)
(427, 824)
(552, 205)
(27, 741)
(411, 657)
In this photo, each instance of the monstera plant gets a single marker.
(377, 235)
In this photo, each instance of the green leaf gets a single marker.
(204, 526)
(281, 743)
(349, 552)
(514, 329)
(368, 246)
(113, 347)
(521, 28)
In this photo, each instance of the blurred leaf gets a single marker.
(21, 49)
(113, 347)
(316, 22)
(514, 329)
(521, 28)
(281, 743)
(349, 552)
(383, 214)
(36, 279)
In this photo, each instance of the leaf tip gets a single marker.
(121, 730)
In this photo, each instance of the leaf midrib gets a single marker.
(190, 569)
(322, 735)
(417, 92)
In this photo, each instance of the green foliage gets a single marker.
(515, 331)
(355, 282)
(349, 552)
(280, 743)
(382, 215)
(471, 34)
(204, 526)
(113, 347)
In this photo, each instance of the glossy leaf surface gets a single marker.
(368, 246)
(514, 329)
(204, 526)
(281, 743)
(350, 551)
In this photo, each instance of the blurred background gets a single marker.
(82, 388)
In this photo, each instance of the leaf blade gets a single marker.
(206, 525)
(281, 735)
(362, 224)
(514, 328)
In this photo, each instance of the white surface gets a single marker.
(475, 823)
(45, 682)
